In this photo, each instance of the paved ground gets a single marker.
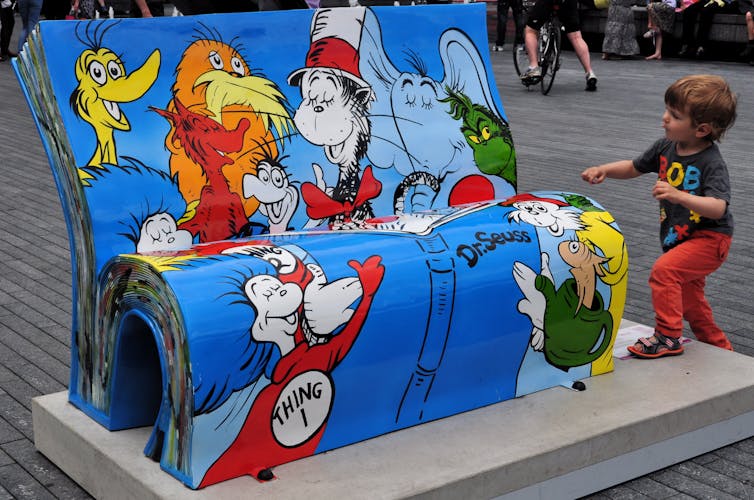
(556, 137)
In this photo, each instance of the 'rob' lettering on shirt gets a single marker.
(687, 179)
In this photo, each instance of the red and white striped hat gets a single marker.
(335, 40)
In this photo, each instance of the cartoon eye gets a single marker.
(237, 65)
(426, 103)
(573, 247)
(486, 133)
(263, 176)
(155, 227)
(215, 60)
(114, 70)
(97, 72)
(277, 178)
(474, 139)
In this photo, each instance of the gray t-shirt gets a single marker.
(702, 174)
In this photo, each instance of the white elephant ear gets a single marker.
(465, 70)
(386, 149)
(374, 64)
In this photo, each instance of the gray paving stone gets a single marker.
(43, 471)
(651, 488)
(735, 470)
(18, 335)
(717, 480)
(746, 445)
(5, 459)
(706, 458)
(8, 433)
(5, 495)
(690, 486)
(621, 492)
(21, 485)
(46, 367)
(17, 415)
(734, 454)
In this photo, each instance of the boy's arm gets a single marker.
(706, 206)
(622, 169)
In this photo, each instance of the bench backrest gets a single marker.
(231, 129)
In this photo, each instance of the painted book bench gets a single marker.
(296, 230)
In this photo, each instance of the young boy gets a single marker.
(696, 225)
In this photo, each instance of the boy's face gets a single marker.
(679, 126)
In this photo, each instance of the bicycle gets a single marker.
(548, 48)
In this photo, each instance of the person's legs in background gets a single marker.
(7, 22)
(747, 6)
(502, 24)
(519, 19)
(582, 53)
(29, 11)
(688, 36)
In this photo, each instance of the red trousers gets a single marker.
(677, 282)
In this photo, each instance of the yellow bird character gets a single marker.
(104, 84)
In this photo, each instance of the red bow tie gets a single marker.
(319, 205)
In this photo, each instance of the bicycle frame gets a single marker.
(548, 48)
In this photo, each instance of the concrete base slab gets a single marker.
(557, 443)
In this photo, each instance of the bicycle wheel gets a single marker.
(520, 57)
(520, 60)
(550, 58)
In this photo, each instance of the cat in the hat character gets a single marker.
(333, 114)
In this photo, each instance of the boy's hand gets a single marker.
(664, 191)
(594, 175)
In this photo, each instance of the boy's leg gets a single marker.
(697, 311)
(691, 260)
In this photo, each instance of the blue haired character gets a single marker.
(146, 209)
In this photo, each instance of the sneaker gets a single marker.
(686, 52)
(700, 52)
(591, 82)
(532, 74)
(497, 48)
(748, 52)
(649, 34)
(520, 48)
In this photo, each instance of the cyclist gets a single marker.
(569, 17)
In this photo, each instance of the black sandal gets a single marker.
(661, 346)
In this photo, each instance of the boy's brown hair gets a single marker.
(706, 99)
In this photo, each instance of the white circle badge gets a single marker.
(302, 408)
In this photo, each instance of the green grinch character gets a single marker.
(488, 135)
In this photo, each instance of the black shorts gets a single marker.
(568, 13)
